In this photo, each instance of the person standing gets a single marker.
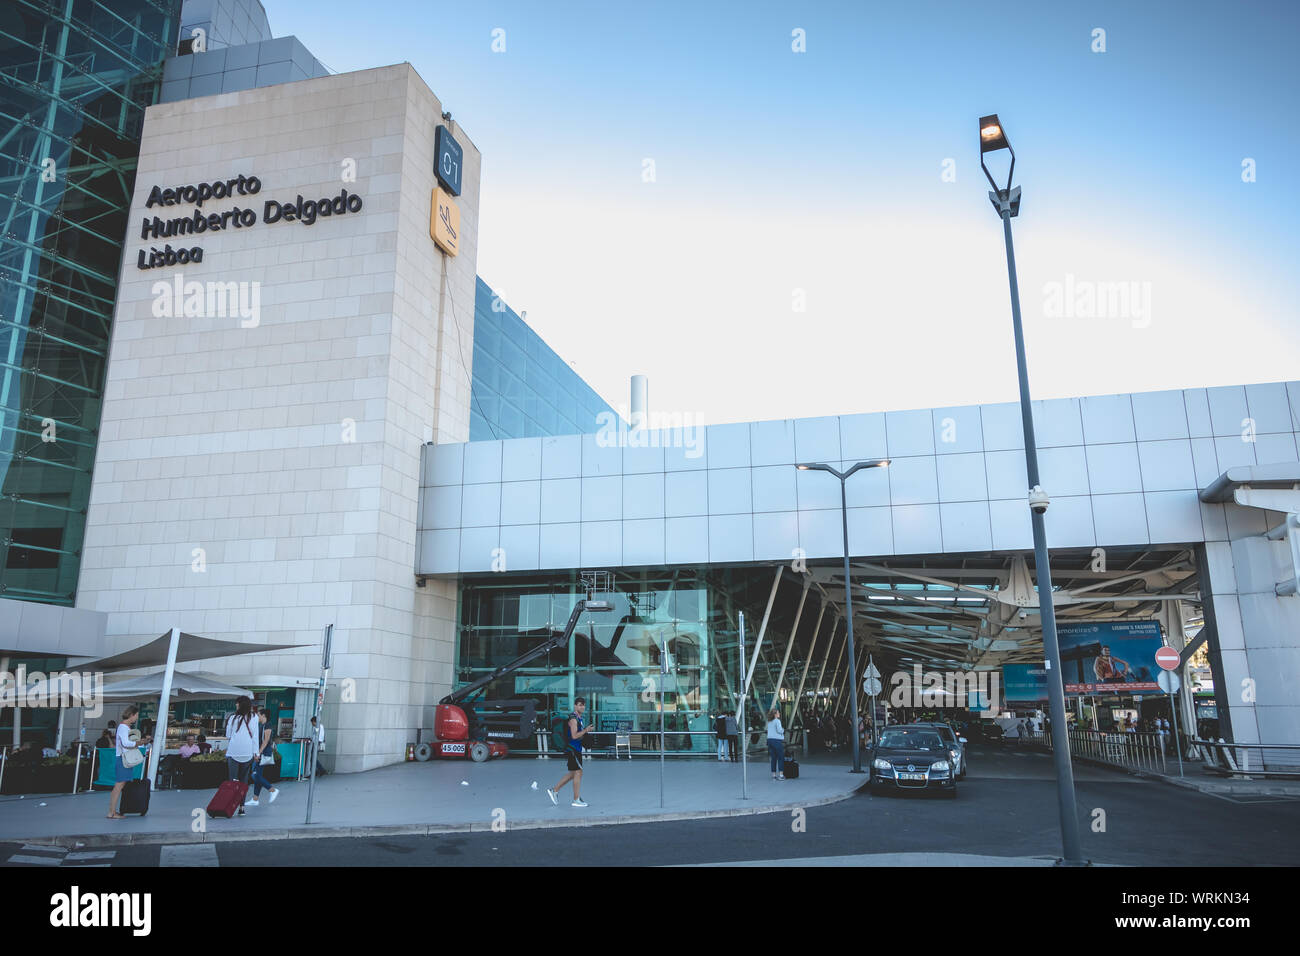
(266, 752)
(733, 736)
(574, 730)
(720, 731)
(123, 773)
(776, 744)
(318, 732)
(241, 742)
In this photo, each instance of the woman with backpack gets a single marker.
(242, 744)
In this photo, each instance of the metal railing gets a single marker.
(649, 740)
(1233, 760)
(1135, 751)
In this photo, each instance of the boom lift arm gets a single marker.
(551, 643)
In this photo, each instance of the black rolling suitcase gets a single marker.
(791, 769)
(135, 797)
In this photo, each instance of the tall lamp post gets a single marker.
(1006, 200)
(843, 476)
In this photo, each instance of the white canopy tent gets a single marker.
(184, 687)
(167, 650)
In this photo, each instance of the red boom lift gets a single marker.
(478, 730)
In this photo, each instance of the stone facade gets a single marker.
(258, 478)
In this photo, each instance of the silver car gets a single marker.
(956, 745)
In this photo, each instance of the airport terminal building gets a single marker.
(261, 389)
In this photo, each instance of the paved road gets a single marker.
(1006, 808)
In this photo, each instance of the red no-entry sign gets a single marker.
(1167, 658)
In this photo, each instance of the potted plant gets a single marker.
(204, 771)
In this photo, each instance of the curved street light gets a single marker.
(1006, 200)
(843, 476)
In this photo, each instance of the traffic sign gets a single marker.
(1167, 657)
(1168, 681)
(871, 670)
(871, 686)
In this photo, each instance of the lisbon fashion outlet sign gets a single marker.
(240, 214)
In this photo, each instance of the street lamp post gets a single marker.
(1006, 200)
(848, 591)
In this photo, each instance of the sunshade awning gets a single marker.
(191, 648)
(184, 687)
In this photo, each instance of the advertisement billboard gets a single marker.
(1109, 657)
(1024, 683)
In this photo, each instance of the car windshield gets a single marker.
(946, 733)
(910, 740)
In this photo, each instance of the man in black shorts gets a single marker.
(575, 730)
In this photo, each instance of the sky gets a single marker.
(673, 189)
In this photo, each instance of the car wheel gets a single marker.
(478, 751)
(423, 753)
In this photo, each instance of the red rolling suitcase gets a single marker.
(229, 799)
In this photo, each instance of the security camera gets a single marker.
(1038, 500)
(1023, 615)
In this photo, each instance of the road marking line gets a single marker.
(189, 854)
(30, 848)
(36, 860)
(92, 855)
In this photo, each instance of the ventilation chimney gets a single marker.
(640, 400)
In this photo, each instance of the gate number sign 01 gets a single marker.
(448, 163)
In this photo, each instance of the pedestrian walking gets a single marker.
(720, 731)
(574, 730)
(265, 757)
(733, 736)
(124, 743)
(776, 744)
(241, 742)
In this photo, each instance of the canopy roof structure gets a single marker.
(192, 647)
(184, 687)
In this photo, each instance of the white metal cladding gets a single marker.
(1120, 469)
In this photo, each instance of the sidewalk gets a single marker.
(436, 797)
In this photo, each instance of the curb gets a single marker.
(305, 832)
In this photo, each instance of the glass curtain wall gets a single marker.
(613, 659)
(75, 78)
(520, 388)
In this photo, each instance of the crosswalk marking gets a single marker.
(33, 855)
(189, 854)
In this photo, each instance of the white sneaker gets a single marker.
(781, 777)
(577, 803)
(274, 794)
(252, 803)
(554, 799)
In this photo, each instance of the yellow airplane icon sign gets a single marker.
(444, 221)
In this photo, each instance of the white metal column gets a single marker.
(758, 644)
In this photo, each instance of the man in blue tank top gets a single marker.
(575, 729)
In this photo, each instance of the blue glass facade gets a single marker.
(520, 387)
(75, 79)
